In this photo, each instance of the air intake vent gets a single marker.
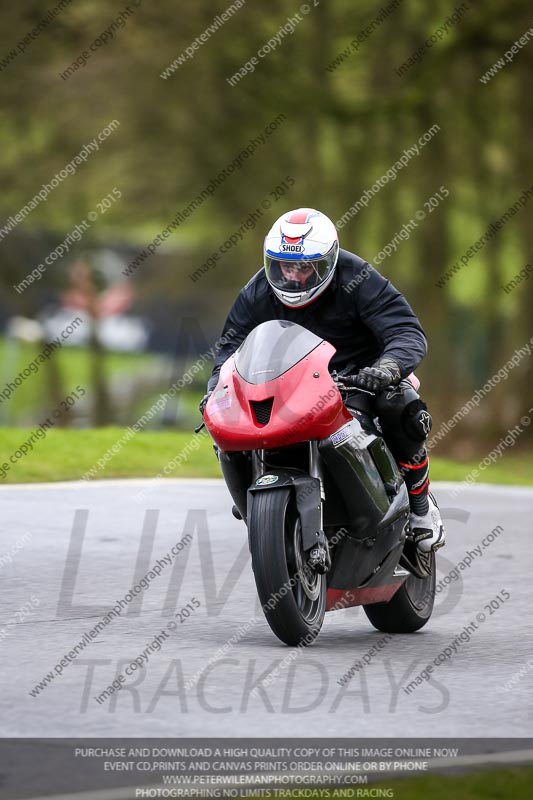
(262, 410)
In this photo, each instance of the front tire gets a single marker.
(293, 601)
(409, 609)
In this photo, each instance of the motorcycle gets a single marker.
(305, 463)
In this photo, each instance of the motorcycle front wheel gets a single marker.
(292, 597)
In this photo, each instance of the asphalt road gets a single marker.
(53, 593)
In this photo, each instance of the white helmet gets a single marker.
(301, 252)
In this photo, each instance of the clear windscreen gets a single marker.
(272, 348)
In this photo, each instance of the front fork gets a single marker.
(322, 563)
(258, 459)
(315, 471)
(315, 465)
(310, 504)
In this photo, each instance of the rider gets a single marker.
(308, 280)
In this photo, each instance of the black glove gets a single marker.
(203, 402)
(385, 372)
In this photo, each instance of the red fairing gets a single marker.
(337, 599)
(304, 407)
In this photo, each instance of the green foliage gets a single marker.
(32, 398)
(345, 127)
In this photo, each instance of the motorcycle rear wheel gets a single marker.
(293, 600)
(410, 607)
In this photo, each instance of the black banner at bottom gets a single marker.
(120, 769)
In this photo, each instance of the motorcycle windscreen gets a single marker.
(273, 348)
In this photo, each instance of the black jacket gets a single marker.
(360, 313)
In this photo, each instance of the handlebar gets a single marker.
(347, 384)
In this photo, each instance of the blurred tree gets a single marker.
(343, 128)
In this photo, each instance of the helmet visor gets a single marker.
(299, 275)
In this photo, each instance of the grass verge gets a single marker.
(499, 784)
(69, 454)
